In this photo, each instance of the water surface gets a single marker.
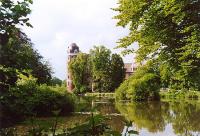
(165, 118)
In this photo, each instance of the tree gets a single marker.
(166, 30)
(101, 72)
(117, 71)
(98, 70)
(81, 73)
(56, 81)
(17, 52)
(11, 15)
(64, 83)
(144, 84)
(107, 69)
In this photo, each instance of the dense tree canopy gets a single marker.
(56, 81)
(144, 84)
(107, 69)
(12, 15)
(117, 71)
(166, 30)
(81, 73)
(17, 52)
(101, 62)
(98, 71)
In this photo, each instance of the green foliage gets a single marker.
(101, 62)
(94, 126)
(144, 84)
(98, 71)
(107, 70)
(8, 76)
(56, 81)
(80, 69)
(53, 98)
(8, 132)
(17, 52)
(27, 98)
(181, 94)
(64, 83)
(13, 14)
(117, 71)
(166, 30)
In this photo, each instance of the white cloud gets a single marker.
(85, 22)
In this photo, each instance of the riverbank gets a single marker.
(164, 94)
(187, 95)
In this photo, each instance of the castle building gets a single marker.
(129, 69)
(72, 52)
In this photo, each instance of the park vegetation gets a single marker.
(143, 85)
(168, 36)
(98, 71)
(26, 84)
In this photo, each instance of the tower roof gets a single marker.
(73, 48)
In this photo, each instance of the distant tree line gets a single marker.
(98, 71)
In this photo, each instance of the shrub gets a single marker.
(121, 91)
(144, 84)
(28, 98)
(52, 98)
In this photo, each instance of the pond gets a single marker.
(164, 118)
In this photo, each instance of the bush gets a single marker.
(52, 98)
(144, 84)
(193, 95)
(28, 99)
(121, 92)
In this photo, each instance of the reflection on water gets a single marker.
(148, 118)
(163, 118)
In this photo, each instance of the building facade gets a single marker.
(129, 69)
(72, 52)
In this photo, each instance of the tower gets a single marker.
(72, 52)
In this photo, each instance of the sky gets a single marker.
(57, 24)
